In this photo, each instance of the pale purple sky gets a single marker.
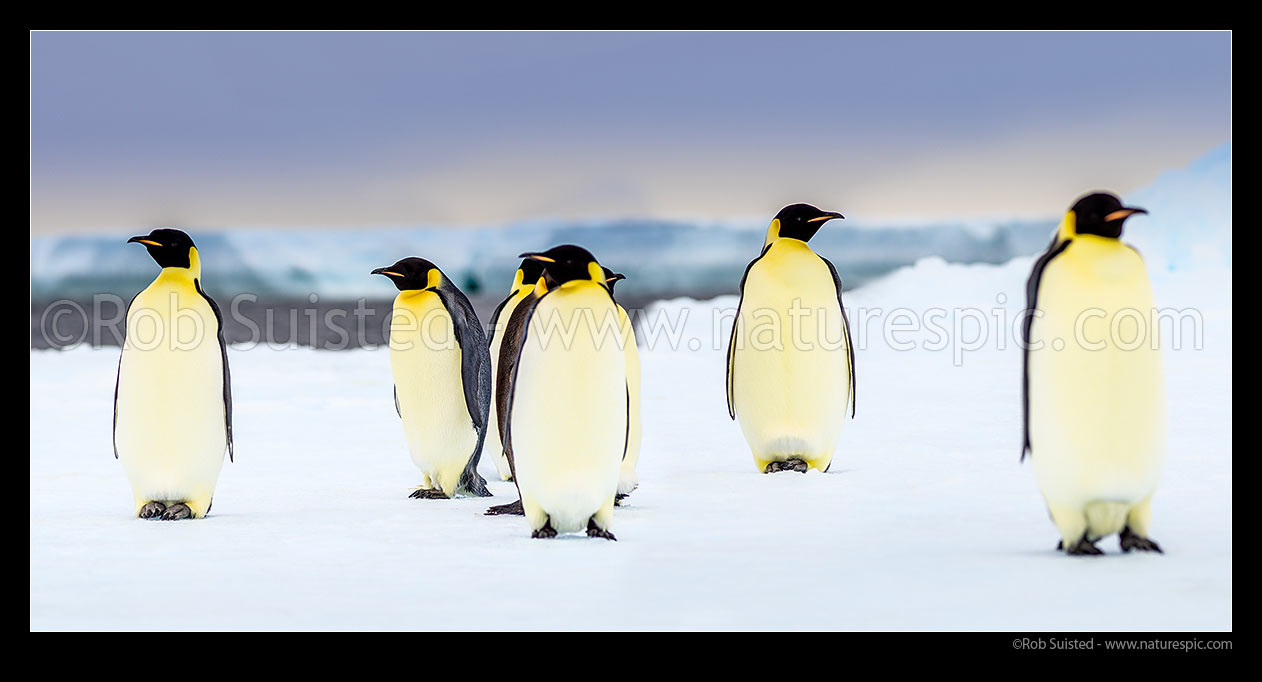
(224, 129)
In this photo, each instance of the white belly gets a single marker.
(790, 373)
(493, 444)
(170, 431)
(1097, 417)
(425, 361)
(569, 407)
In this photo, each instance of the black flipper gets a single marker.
(846, 324)
(1027, 326)
(475, 374)
(506, 370)
(227, 376)
(475, 357)
(118, 375)
(731, 344)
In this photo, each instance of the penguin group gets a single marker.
(552, 387)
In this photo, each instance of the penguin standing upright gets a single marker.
(565, 407)
(627, 480)
(1093, 391)
(528, 274)
(173, 394)
(790, 362)
(442, 378)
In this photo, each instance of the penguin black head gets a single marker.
(1101, 214)
(169, 248)
(611, 277)
(531, 270)
(412, 274)
(802, 221)
(568, 263)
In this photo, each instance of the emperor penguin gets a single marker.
(627, 479)
(565, 397)
(790, 362)
(528, 274)
(173, 393)
(514, 331)
(442, 378)
(1093, 389)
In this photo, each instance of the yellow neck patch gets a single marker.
(522, 287)
(192, 272)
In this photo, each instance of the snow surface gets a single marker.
(926, 521)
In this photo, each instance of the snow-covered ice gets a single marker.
(926, 521)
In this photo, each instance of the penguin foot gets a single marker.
(513, 509)
(1083, 547)
(176, 512)
(151, 510)
(428, 494)
(786, 465)
(546, 532)
(594, 531)
(619, 497)
(1132, 540)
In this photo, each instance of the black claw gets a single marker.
(428, 494)
(619, 497)
(1132, 540)
(595, 531)
(1060, 545)
(151, 510)
(1084, 547)
(786, 465)
(546, 532)
(513, 509)
(177, 512)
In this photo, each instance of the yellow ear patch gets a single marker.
(773, 232)
(1068, 228)
(596, 272)
(541, 287)
(434, 279)
(194, 262)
